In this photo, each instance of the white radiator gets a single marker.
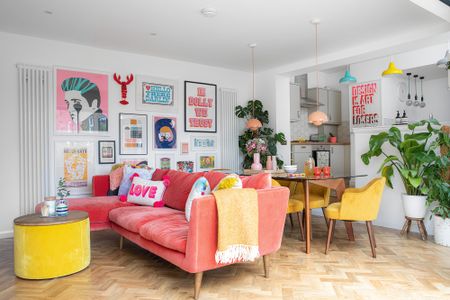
(229, 134)
(34, 108)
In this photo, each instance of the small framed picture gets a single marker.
(184, 149)
(185, 166)
(132, 134)
(206, 161)
(156, 94)
(203, 143)
(106, 152)
(165, 161)
(165, 133)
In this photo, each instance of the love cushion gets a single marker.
(146, 192)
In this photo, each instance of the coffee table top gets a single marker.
(38, 220)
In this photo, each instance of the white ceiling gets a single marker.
(281, 28)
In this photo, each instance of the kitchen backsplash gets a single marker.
(302, 128)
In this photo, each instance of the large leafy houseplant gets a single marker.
(416, 155)
(255, 109)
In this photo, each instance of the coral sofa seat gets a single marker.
(165, 232)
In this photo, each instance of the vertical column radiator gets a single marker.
(34, 114)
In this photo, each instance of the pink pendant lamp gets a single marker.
(317, 118)
(253, 124)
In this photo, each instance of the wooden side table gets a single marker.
(49, 247)
(420, 225)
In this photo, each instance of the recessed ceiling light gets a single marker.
(209, 12)
(252, 45)
(153, 34)
(48, 12)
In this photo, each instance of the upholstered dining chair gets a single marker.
(295, 206)
(357, 204)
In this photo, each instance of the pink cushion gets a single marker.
(158, 174)
(214, 178)
(115, 177)
(179, 188)
(258, 181)
(168, 231)
(132, 218)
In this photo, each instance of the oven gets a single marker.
(321, 155)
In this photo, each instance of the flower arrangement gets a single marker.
(256, 145)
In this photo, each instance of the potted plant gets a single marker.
(438, 182)
(254, 109)
(62, 192)
(416, 152)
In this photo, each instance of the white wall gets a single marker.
(22, 49)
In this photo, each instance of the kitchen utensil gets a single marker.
(422, 103)
(290, 169)
(416, 99)
(409, 100)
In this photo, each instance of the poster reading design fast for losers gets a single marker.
(366, 106)
(200, 108)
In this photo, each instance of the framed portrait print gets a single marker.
(81, 102)
(133, 134)
(206, 161)
(203, 143)
(156, 94)
(200, 107)
(165, 161)
(165, 133)
(74, 161)
(185, 166)
(106, 152)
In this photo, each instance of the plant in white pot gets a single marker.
(416, 152)
(438, 182)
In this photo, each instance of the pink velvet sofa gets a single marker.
(165, 232)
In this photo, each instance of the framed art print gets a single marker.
(165, 133)
(203, 143)
(156, 94)
(133, 134)
(106, 152)
(200, 107)
(74, 161)
(206, 161)
(185, 166)
(134, 160)
(165, 161)
(365, 108)
(81, 102)
(184, 148)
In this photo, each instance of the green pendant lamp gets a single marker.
(392, 71)
(348, 78)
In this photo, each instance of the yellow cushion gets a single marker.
(333, 210)
(295, 206)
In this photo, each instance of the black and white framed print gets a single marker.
(106, 152)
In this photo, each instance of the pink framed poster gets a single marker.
(365, 104)
(200, 107)
(81, 102)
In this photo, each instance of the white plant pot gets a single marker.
(414, 206)
(441, 231)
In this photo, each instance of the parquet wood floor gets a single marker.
(405, 268)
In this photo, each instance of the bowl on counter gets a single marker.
(290, 169)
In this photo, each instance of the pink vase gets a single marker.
(269, 163)
(256, 165)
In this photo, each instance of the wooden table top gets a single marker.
(38, 220)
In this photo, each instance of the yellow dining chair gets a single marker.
(294, 205)
(357, 204)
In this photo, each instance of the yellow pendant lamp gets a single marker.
(392, 71)
(318, 117)
(253, 124)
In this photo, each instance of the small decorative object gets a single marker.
(185, 166)
(404, 118)
(422, 103)
(206, 161)
(290, 169)
(184, 148)
(269, 164)
(317, 171)
(274, 163)
(165, 133)
(62, 192)
(50, 203)
(106, 152)
(123, 86)
(309, 166)
(332, 139)
(256, 147)
(156, 94)
(256, 165)
(398, 119)
(86, 110)
(44, 210)
(326, 171)
(200, 107)
(132, 134)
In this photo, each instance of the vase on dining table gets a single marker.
(256, 165)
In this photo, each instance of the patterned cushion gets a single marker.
(115, 178)
(231, 181)
(199, 189)
(128, 172)
(147, 192)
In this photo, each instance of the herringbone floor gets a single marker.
(406, 268)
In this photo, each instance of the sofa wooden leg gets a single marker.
(266, 265)
(121, 242)
(197, 284)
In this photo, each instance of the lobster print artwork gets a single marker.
(123, 85)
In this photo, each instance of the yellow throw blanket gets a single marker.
(237, 211)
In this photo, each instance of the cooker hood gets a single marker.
(302, 83)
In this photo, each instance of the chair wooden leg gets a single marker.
(300, 225)
(197, 284)
(292, 221)
(324, 216)
(121, 243)
(266, 265)
(371, 238)
(330, 234)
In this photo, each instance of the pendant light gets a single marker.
(253, 124)
(392, 70)
(348, 78)
(317, 118)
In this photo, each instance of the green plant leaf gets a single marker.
(388, 172)
(415, 181)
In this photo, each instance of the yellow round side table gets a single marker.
(49, 247)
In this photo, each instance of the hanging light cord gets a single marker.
(317, 66)
(253, 72)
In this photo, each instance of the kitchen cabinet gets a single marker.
(300, 153)
(331, 100)
(337, 153)
(295, 102)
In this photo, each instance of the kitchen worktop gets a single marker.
(317, 143)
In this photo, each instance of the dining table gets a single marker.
(335, 182)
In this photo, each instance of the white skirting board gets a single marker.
(6, 234)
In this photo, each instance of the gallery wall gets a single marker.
(34, 51)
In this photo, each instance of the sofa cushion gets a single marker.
(179, 188)
(168, 231)
(257, 182)
(132, 218)
(128, 175)
(147, 192)
(159, 174)
(214, 178)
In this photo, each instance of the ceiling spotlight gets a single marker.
(153, 34)
(48, 12)
(209, 12)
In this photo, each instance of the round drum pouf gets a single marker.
(49, 247)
